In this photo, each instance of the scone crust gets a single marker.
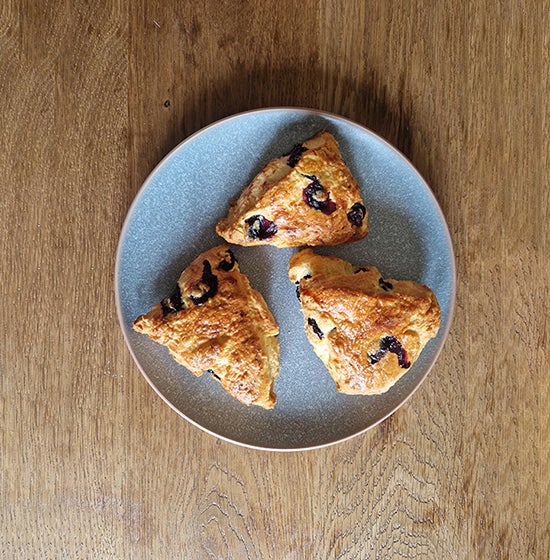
(232, 334)
(349, 311)
(277, 194)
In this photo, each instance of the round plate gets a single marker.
(173, 219)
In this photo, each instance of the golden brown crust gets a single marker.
(367, 330)
(217, 322)
(278, 195)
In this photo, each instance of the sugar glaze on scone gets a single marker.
(215, 322)
(306, 197)
(367, 330)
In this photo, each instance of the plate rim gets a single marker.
(305, 110)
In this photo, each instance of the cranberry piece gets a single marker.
(294, 155)
(313, 324)
(228, 262)
(391, 344)
(260, 227)
(386, 286)
(316, 196)
(173, 303)
(356, 214)
(207, 286)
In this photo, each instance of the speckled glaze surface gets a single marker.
(173, 219)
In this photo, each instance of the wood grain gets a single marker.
(92, 463)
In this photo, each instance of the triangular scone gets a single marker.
(368, 331)
(215, 322)
(306, 197)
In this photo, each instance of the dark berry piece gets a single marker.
(357, 214)
(173, 303)
(207, 286)
(213, 374)
(298, 284)
(313, 324)
(361, 269)
(316, 196)
(260, 227)
(381, 352)
(228, 262)
(294, 155)
(397, 348)
(376, 357)
(391, 344)
(386, 286)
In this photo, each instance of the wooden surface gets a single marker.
(92, 463)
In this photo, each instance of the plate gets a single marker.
(172, 220)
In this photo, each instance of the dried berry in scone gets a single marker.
(306, 197)
(215, 322)
(367, 330)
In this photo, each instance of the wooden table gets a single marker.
(93, 463)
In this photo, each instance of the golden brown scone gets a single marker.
(368, 331)
(307, 197)
(215, 322)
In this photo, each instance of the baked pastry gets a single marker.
(306, 197)
(215, 322)
(367, 330)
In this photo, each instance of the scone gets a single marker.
(367, 330)
(215, 322)
(306, 197)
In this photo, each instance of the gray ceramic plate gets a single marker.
(172, 220)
